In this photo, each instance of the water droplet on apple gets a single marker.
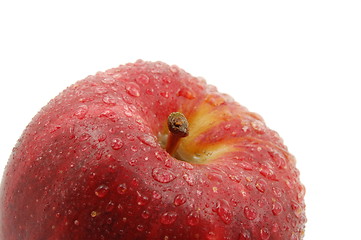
(246, 166)
(140, 228)
(166, 79)
(190, 179)
(276, 208)
(141, 199)
(168, 218)
(275, 227)
(193, 218)
(108, 80)
(109, 220)
(101, 90)
(117, 143)
(277, 191)
(142, 79)
(84, 137)
(244, 235)
(211, 236)
(109, 100)
(111, 115)
(250, 213)
(81, 111)
(258, 126)
(157, 195)
(224, 212)
(122, 188)
(101, 191)
(133, 89)
(148, 140)
(164, 94)
(145, 214)
(215, 99)
(186, 92)
(76, 222)
(149, 91)
(134, 148)
(180, 199)
(261, 185)
(297, 209)
(268, 173)
(265, 233)
(187, 165)
(163, 175)
(110, 206)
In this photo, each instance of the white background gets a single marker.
(297, 63)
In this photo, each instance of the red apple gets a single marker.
(99, 162)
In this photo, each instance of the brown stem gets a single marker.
(178, 128)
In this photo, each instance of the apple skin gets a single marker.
(92, 165)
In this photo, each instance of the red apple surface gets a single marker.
(99, 161)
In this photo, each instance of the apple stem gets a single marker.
(178, 128)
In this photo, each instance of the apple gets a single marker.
(147, 151)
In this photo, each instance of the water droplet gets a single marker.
(262, 202)
(215, 99)
(141, 199)
(117, 143)
(276, 208)
(122, 188)
(134, 148)
(187, 165)
(133, 89)
(250, 213)
(108, 80)
(145, 214)
(84, 137)
(140, 228)
(111, 115)
(76, 222)
(142, 79)
(246, 166)
(148, 140)
(164, 94)
(268, 173)
(109, 100)
(166, 79)
(109, 220)
(102, 137)
(168, 218)
(277, 191)
(227, 126)
(163, 175)
(244, 235)
(110, 206)
(149, 91)
(297, 209)
(193, 218)
(258, 126)
(157, 195)
(275, 227)
(101, 90)
(261, 185)
(93, 214)
(265, 233)
(101, 191)
(180, 199)
(81, 111)
(224, 211)
(215, 177)
(186, 92)
(190, 179)
(211, 236)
